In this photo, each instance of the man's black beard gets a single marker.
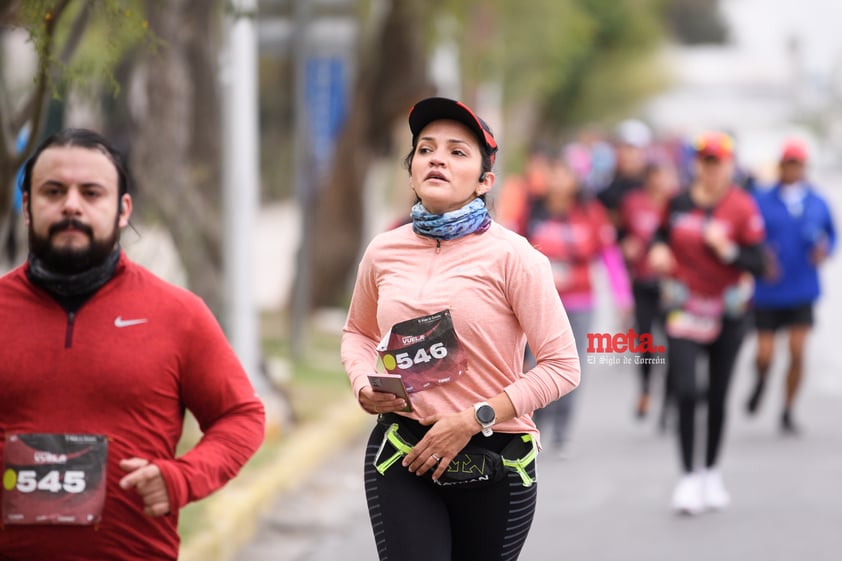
(70, 261)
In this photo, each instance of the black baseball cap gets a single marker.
(434, 108)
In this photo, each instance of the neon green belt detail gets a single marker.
(520, 464)
(402, 448)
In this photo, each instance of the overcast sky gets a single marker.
(761, 28)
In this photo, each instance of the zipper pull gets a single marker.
(438, 245)
(68, 333)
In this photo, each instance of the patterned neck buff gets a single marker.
(473, 218)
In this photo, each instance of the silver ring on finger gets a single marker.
(436, 458)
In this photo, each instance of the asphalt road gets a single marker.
(609, 497)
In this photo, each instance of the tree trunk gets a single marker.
(391, 77)
(184, 193)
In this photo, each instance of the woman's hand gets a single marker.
(632, 248)
(716, 237)
(661, 258)
(380, 402)
(448, 435)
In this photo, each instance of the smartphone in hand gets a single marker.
(390, 383)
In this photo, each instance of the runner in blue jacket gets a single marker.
(800, 234)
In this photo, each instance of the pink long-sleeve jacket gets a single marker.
(500, 293)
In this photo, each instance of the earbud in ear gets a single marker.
(482, 177)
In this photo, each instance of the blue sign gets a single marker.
(325, 95)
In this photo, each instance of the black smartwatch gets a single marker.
(485, 416)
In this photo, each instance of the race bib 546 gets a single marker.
(425, 351)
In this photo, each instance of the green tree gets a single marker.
(566, 61)
(571, 61)
(77, 45)
(391, 75)
(169, 51)
(176, 131)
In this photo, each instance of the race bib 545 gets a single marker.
(54, 478)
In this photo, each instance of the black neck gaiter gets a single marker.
(72, 288)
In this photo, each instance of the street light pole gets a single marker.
(241, 190)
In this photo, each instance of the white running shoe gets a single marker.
(688, 498)
(715, 494)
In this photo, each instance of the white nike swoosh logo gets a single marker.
(120, 322)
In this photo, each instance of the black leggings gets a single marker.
(647, 312)
(683, 355)
(414, 519)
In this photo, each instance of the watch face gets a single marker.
(485, 414)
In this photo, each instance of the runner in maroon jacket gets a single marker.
(99, 361)
(710, 237)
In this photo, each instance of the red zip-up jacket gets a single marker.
(126, 365)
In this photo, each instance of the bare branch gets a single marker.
(42, 79)
(77, 31)
(8, 14)
(8, 11)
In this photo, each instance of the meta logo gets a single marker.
(623, 342)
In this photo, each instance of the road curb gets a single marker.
(233, 512)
